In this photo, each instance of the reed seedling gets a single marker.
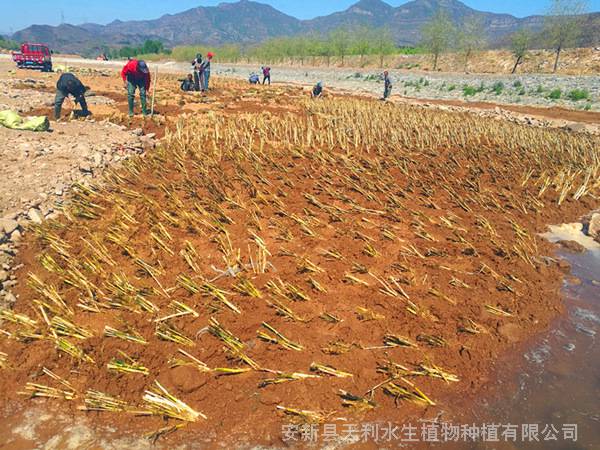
(99, 401)
(337, 348)
(285, 378)
(304, 416)
(129, 335)
(412, 394)
(328, 370)
(161, 403)
(278, 338)
(126, 364)
(63, 327)
(356, 403)
(70, 349)
(190, 361)
(284, 310)
(433, 341)
(181, 310)
(497, 311)
(163, 432)
(245, 287)
(168, 332)
(35, 390)
(367, 315)
(393, 340)
(331, 318)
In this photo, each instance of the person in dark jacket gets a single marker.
(188, 84)
(387, 85)
(197, 65)
(317, 91)
(69, 84)
(136, 75)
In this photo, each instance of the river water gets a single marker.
(557, 386)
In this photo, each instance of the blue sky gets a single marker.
(24, 13)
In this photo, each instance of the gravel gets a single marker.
(525, 89)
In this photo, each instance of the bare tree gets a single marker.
(520, 42)
(437, 35)
(471, 38)
(563, 25)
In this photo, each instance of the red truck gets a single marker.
(33, 56)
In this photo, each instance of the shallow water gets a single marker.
(558, 381)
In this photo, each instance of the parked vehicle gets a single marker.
(33, 56)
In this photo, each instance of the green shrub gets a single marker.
(587, 107)
(540, 89)
(517, 84)
(521, 91)
(452, 87)
(498, 88)
(469, 91)
(579, 94)
(555, 94)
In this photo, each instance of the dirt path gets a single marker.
(558, 116)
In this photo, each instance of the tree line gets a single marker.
(339, 43)
(8, 44)
(562, 27)
(149, 47)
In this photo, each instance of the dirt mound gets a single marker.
(257, 266)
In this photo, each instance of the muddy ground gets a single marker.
(449, 300)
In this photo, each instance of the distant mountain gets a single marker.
(248, 22)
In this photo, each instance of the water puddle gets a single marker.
(557, 389)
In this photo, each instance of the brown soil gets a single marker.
(556, 113)
(416, 187)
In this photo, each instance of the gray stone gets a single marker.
(572, 246)
(594, 225)
(34, 215)
(85, 167)
(98, 159)
(15, 236)
(8, 225)
(576, 127)
(9, 298)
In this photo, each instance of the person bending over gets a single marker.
(69, 84)
(136, 75)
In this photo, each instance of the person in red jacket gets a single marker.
(136, 75)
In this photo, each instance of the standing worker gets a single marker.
(206, 69)
(387, 85)
(69, 84)
(266, 74)
(197, 66)
(317, 91)
(136, 75)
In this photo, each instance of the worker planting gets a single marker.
(344, 260)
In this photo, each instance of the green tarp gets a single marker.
(11, 119)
